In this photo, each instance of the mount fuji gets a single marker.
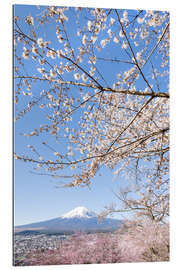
(78, 219)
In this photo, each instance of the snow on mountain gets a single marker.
(79, 212)
(78, 219)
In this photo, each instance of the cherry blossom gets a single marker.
(134, 242)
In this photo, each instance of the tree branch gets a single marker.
(125, 92)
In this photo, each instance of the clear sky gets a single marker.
(37, 198)
(40, 197)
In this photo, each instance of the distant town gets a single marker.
(25, 244)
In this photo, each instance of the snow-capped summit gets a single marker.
(78, 219)
(79, 212)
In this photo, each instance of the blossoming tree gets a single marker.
(139, 244)
(99, 79)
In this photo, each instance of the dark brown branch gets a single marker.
(115, 60)
(139, 141)
(134, 18)
(129, 92)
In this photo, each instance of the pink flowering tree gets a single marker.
(145, 242)
(80, 249)
(99, 80)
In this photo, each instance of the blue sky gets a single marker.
(38, 197)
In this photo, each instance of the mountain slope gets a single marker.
(79, 218)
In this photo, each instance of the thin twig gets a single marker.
(134, 57)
